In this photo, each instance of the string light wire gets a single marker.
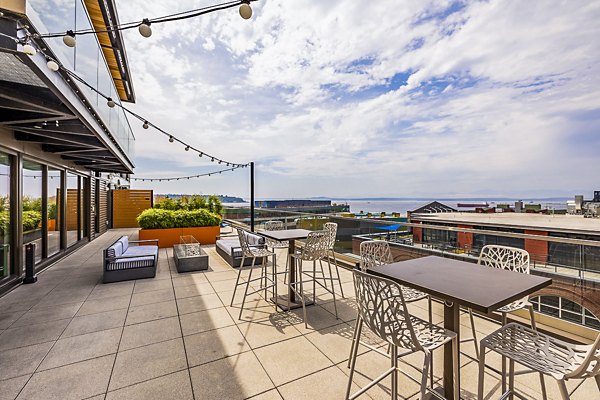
(55, 65)
(148, 21)
(177, 178)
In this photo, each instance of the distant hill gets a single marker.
(222, 197)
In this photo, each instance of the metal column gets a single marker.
(252, 196)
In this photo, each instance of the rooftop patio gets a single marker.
(69, 336)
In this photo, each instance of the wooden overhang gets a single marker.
(103, 14)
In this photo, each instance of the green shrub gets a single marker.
(214, 205)
(167, 204)
(4, 203)
(31, 220)
(52, 210)
(4, 222)
(32, 204)
(195, 202)
(164, 219)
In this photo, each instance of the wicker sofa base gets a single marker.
(128, 274)
(235, 262)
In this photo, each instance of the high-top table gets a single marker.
(290, 235)
(461, 283)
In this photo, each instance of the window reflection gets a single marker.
(72, 212)
(4, 215)
(32, 207)
(53, 213)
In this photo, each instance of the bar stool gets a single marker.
(382, 308)
(372, 254)
(512, 259)
(541, 353)
(274, 244)
(314, 250)
(331, 229)
(266, 282)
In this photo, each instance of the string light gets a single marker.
(145, 126)
(29, 49)
(245, 10)
(69, 39)
(144, 26)
(176, 178)
(145, 29)
(187, 148)
(52, 65)
(171, 140)
(110, 102)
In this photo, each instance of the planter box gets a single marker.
(170, 237)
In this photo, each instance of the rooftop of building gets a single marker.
(177, 337)
(547, 222)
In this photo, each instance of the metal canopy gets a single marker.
(37, 115)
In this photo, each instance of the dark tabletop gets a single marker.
(290, 234)
(481, 288)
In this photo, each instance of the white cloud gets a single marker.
(355, 99)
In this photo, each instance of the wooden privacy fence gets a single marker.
(127, 204)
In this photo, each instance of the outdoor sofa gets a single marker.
(123, 262)
(231, 251)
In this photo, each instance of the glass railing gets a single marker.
(573, 264)
(85, 59)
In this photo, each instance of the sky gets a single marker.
(372, 99)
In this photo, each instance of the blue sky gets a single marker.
(354, 99)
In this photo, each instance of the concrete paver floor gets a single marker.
(69, 336)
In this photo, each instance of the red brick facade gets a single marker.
(465, 239)
(538, 249)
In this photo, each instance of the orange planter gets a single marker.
(171, 236)
(51, 224)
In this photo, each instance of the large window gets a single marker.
(72, 212)
(32, 207)
(53, 213)
(4, 215)
(568, 310)
(480, 240)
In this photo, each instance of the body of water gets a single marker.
(402, 206)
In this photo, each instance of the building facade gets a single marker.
(568, 251)
(61, 146)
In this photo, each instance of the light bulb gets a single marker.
(69, 39)
(199, 154)
(171, 139)
(246, 11)
(145, 29)
(110, 102)
(187, 148)
(52, 65)
(145, 126)
(29, 49)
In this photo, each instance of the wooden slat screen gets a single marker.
(103, 204)
(92, 207)
(72, 214)
(128, 204)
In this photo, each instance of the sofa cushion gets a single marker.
(128, 263)
(124, 240)
(253, 239)
(142, 251)
(227, 244)
(115, 250)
